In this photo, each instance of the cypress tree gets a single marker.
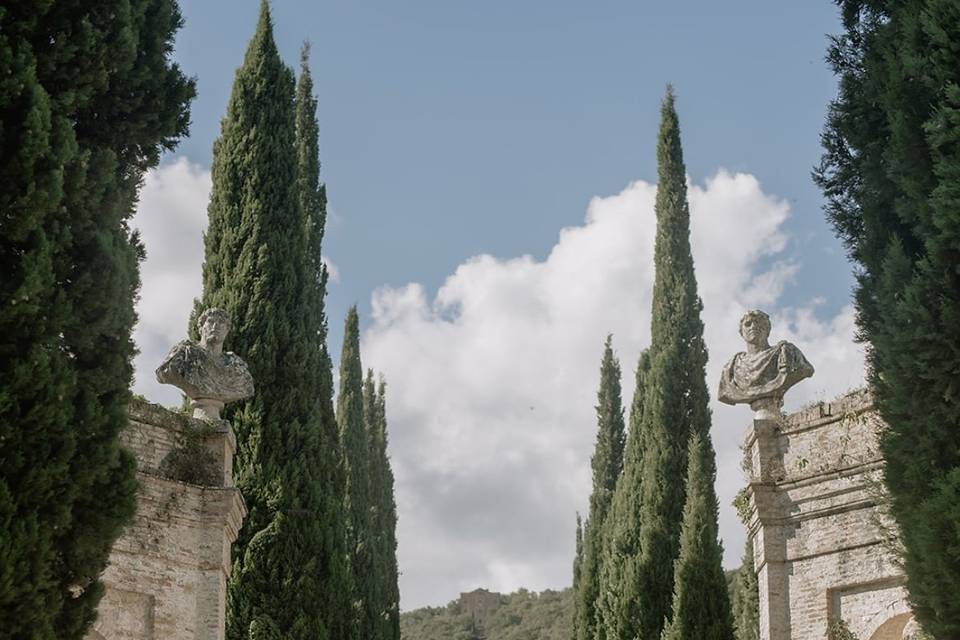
(746, 598)
(890, 173)
(335, 579)
(577, 563)
(674, 406)
(620, 536)
(701, 605)
(285, 569)
(355, 446)
(88, 100)
(607, 463)
(385, 605)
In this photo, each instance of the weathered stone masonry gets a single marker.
(168, 572)
(821, 540)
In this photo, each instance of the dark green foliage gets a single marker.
(607, 463)
(891, 171)
(355, 447)
(88, 100)
(840, 631)
(746, 598)
(577, 564)
(621, 535)
(674, 406)
(289, 568)
(336, 580)
(523, 615)
(701, 607)
(385, 603)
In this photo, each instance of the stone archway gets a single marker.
(893, 628)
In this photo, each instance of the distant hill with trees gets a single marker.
(522, 615)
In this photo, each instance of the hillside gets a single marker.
(523, 615)
(482, 615)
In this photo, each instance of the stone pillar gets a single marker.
(168, 572)
(765, 465)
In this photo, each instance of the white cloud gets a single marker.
(171, 217)
(492, 383)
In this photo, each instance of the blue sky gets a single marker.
(450, 128)
(490, 169)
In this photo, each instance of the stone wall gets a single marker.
(167, 573)
(823, 545)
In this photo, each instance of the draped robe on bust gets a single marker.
(201, 374)
(766, 374)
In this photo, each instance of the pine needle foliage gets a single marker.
(88, 100)
(289, 571)
(890, 172)
(607, 464)
(701, 605)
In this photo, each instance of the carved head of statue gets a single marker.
(213, 324)
(755, 328)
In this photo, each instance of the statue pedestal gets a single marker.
(769, 532)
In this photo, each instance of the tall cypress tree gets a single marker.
(890, 173)
(256, 268)
(355, 446)
(746, 598)
(385, 604)
(674, 405)
(701, 605)
(88, 100)
(577, 563)
(334, 577)
(607, 463)
(621, 534)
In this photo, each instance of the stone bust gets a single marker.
(761, 375)
(204, 372)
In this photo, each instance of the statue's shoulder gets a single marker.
(181, 349)
(789, 347)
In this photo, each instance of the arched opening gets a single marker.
(893, 628)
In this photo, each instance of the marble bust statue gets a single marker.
(208, 376)
(761, 375)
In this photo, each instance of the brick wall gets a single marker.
(822, 541)
(167, 573)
